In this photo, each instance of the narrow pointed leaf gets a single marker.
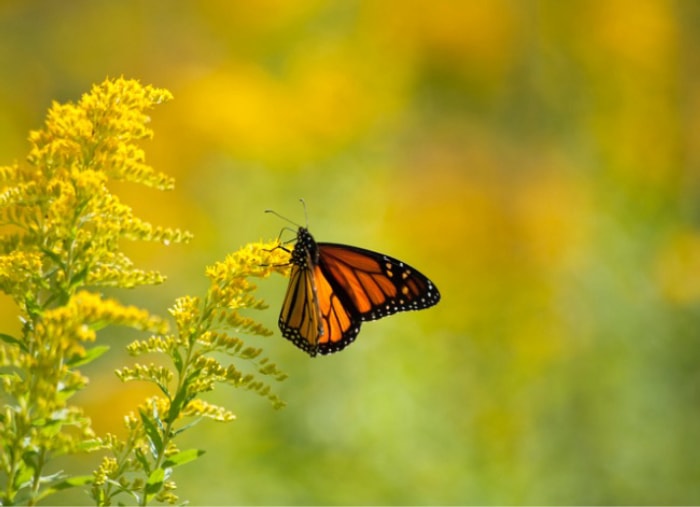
(155, 481)
(13, 341)
(177, 359)
(177, 404)
(89, 356)
(142, 459)
(152, 433)
(182, 457)
(79, 277)
(80, 480)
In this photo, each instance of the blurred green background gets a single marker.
(539, 160)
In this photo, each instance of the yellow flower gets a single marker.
(60, 229)
(61, 212)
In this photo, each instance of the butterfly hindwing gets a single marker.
(340, 323)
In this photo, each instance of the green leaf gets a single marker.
(71, 482)
(142, 459)
(89, 356)
(188, 426)
(177, 404)
(13, 341)
(79, 277)
(21, 498)
(177, 359)
(155, 481)
(33, 308)
(182, 457)
(152, 433)
(23, 477)
(91, 445)
(54, 257)
(158, 420)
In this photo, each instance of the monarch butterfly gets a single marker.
(334, 288)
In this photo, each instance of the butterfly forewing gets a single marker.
(377, 285)
(300, 319)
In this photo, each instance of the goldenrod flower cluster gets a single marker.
(60, 235)
(206, 329)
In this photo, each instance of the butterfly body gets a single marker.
(333, 288)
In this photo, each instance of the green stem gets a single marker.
(36, 480)
(183, 373)
(12, 474)
(122, 463)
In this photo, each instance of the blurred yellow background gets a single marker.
(538, 160)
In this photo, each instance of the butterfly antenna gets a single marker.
(306, 216)
(282, 217)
